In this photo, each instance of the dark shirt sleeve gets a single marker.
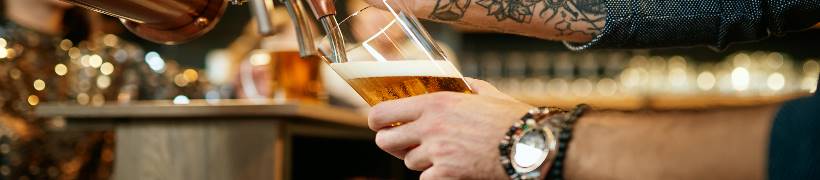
(794, 148)
(717, 23)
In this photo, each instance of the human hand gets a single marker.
(448, 135)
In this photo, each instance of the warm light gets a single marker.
(677, 62)
(84, 61)
(95, 61)
(3, 43)
(190, 75)
(15, 73)
(66, 44)
(61, 69)
(776, 81)
(39, 85)
(260, 59)
(740, 79)
(3, 53)
(97, 100)
(33, 100)
(107, 68)
(182, 99)
(83, 98)
(180, 80)
(103, 82)
(155, 62)
(677, 77)
(557, 86)
(633, 77)
(74, 52)
(774, 60)
(811, 68)
(809, 84)
(607, 87)
(582, 87)
(706, 81)
(10, 53)
(110, 40)
(742, 60)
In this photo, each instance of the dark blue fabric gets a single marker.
(794, 148)
(717, 23)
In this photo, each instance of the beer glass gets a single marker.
(388, 55)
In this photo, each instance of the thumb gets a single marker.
(484, 88)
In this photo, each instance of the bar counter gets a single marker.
(210, 140)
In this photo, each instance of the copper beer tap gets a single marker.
(179, 21)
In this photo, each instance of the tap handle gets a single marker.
(322, 8)
(263, 11)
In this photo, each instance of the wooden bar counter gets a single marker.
(210, 140)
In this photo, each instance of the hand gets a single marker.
(448, 135)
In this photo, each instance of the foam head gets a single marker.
(367, 69)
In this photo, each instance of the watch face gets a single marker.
(530, 150)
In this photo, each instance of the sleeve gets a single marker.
(717, 23)
(794, 147)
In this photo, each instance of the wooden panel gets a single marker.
(203, 150)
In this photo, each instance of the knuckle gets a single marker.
(443, 149)
(382, 141)
(413, 165)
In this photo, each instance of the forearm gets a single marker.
(709, 144)
(571, 20)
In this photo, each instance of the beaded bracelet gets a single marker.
(564, 137)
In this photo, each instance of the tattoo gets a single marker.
(450, 10)
(572, 12)
(567, 17)
(517, 10)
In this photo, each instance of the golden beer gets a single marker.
(378, 81)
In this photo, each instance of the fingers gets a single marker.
(405, 110)
(398, 140)
(484, 88)
(418, 158)
(436, 173)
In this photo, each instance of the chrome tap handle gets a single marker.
(263, 11)
(304, 31)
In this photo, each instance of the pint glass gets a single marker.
(388, 55)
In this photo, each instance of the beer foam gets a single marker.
(366, 69)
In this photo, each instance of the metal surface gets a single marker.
(304, 32)
(161, 21)
(337, 48)
(263, 12)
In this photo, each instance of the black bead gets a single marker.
(557, 164)
(562, 145)
(505, 152)
(503, 147)
(564, 136)
(526, 116)
(559, 155)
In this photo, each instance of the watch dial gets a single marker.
(531, 149)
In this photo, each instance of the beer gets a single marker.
(378, 81)
(282, 76)
(296, 78)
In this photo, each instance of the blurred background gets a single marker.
(88, 74)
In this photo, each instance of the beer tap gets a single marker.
(177, 21)
(323, 10)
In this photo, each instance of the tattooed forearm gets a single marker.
(575, 16)
(516, 10)
(564, 18)
(450, 10)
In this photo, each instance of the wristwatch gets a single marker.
(530, 147)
